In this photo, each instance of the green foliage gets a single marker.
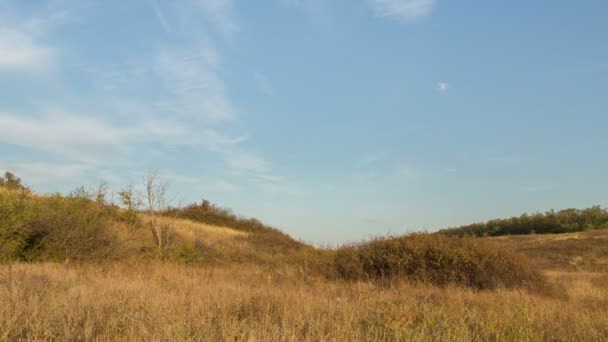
(435, 259)
(131, 202)
(11, 182)
(551, 222)
(15, 232)
(52, 228)
(188, 253)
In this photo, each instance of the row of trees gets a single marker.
(550, 222)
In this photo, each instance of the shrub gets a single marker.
(11, 182)
(52, 228)
(16, 214)
(187, 253)
(435, 259)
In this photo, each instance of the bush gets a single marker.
(188, 253)
(435, 259)
(11, 182)
(52, 228)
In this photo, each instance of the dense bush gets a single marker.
(551, 222)
(435, 259)
(11, 182)
(52, 228)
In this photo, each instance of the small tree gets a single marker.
(156, 200)
(101, 193)
(131, 202)
(12, 182)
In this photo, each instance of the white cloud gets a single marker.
(57, 131)
(195, 84)
(402, 9)
(442, 87)
(48, 171)
(20, 51)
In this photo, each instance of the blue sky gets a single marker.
(333, 120)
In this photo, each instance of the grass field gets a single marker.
(171, 302)
(255, 302)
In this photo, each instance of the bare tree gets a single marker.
(101, 193)
(156, 200)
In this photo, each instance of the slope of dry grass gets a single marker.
(159, 301)
(581, 251)
(260, 285)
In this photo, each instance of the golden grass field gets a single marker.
(164, 301)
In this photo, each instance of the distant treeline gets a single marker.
(550, 222)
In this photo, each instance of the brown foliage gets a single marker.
(438, 260)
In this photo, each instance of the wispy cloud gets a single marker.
(59, 133)
(161, 16)
(48, 171)
(21, 51)
(402, 9)
(22, 46)
(195, 84)
(145, 106)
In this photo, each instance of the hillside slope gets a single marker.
(580, 251)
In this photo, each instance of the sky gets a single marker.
(333, 120)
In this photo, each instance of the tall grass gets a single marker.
(165, 301)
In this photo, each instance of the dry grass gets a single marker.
(159, 301)
(581, 251)
(192, 231)
(252, 293)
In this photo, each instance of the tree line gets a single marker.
(550, 222)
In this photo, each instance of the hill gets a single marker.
(580, 251)
(73, 267)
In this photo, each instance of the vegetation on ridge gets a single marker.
(550, 222)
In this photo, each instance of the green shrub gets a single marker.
(435, 259)
(16, 215)
(187, 253)
(11, 182)
(52, 228)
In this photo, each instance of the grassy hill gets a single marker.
(75, 268)
(580, 251)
